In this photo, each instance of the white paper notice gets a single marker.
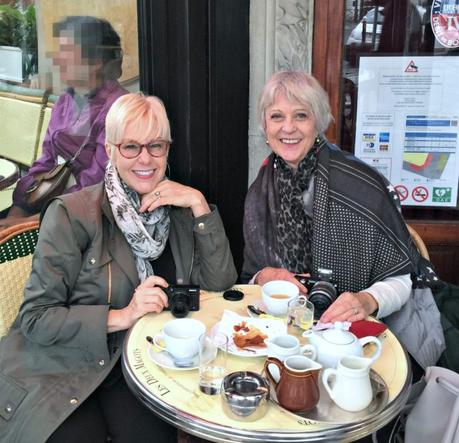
(407, 125)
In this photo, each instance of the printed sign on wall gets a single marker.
(408, 125)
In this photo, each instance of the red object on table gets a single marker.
(364, 328)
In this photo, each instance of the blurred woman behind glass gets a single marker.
(89, 60)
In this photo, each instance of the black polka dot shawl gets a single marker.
(357, 229)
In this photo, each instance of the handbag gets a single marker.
(435, 415)
(431, 414)
(47, 185)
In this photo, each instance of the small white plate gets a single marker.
(253, 351)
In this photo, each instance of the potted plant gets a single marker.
(18, 29)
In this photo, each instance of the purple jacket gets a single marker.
(67, 130)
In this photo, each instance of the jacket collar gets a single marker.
(118, 247)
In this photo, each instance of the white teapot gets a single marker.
(333, 344)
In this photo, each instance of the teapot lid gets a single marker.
(338, 335)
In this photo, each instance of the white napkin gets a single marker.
(343, 325)
(269, 327)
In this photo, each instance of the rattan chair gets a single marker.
(418, 242)
(17, 245)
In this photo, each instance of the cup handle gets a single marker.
(370, 339)
(309, 349)
(328, 372)
(278, 363)
(158, 339)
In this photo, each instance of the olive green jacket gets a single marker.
(58, 350)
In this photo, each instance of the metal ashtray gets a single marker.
(245, 395)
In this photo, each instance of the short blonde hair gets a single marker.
(144, 115)
(297, 87)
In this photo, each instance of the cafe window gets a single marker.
(399, 107)
(27, 42)
(49, 48)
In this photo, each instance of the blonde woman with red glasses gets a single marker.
(105, 254)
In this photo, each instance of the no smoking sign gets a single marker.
(420, 194)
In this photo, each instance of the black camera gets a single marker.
(322, 292)
(182, 299)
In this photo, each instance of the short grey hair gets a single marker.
(299, 87)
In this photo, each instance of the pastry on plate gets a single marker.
(246, 335)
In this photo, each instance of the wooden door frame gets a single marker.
(327, 56)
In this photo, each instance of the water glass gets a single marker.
(301, 312)
(213, 353)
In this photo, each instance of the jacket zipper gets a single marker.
(192, 262)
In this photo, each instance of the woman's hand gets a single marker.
(350, 306)
(148, 297)
(269, 274)
(172, 193)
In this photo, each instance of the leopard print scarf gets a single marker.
(294, 226)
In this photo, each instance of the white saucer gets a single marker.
(164, 359)
(260, 305)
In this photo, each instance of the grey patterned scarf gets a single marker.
(146, 233)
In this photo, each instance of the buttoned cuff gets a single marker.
(208, 223)
(92, 336)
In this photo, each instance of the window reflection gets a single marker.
(398, 28)
(27, 41)
(381, 27)
(58, 69)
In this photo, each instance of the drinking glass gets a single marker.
(213, 352)
(301, 312)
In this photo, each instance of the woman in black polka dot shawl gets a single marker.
(314, 206)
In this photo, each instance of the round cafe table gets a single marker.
(174, 395)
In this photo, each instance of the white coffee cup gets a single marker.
(181, 339)
(285, 345)
(276, 294)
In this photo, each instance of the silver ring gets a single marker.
(158, 193)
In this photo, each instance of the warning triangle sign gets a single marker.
(411, 67)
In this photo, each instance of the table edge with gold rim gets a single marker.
(175, 396)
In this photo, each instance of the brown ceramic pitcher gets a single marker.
(295, 381)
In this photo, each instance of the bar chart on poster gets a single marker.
(407, 125)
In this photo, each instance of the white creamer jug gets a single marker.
(350, 387)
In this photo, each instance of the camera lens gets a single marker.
(322, 295)
(179, 305)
